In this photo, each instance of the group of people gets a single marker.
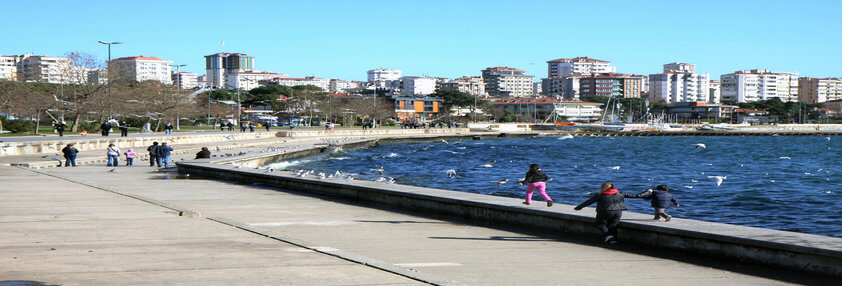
(159, 155)
(610, 202)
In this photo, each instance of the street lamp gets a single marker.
(108, 78)
(178, 88)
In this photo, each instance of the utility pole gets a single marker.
(108, 69)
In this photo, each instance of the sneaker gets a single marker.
(525, 203)
(668, 218)
(549, 203)
(613, 241)
(609, 238)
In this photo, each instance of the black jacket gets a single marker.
(612, 202)
(204, 154)
(153, 150)
(68, 150)
(661, 199)
(535, 177)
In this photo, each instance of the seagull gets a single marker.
(700, 145)
(500, 182)
(694, 181)
(688, 187)
(444, 141)
(489, 164)
(613, 168)
(785, 158)
(379, 170)
(718, 179)
(451, 173)
(217, 149)
(113, 170)
(238, 167)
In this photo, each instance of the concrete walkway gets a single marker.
(89, 226)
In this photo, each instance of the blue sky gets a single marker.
(343, 39)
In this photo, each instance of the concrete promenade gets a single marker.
(90, 226)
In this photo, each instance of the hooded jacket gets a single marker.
(610, 200)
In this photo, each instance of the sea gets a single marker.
(787, 183)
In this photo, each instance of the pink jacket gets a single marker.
(130, 153)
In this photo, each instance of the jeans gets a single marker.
(129, 161)
(169, 131)
(112, 160)
(70, 160)
(164, 160)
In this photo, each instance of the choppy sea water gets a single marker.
(778, 182)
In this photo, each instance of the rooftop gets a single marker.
(577, 59)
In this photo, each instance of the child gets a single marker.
(660, 201)
(610, 205)
(130, 154)
(536, 179)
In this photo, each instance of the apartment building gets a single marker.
(473, 85)
(507, 82)
(340, 86)
(322, 83)
(758, 85)
(715, 94)
(380, 75)
(610, 84)
(414, 86)
(248, 80)
(420, 109)
(221, 66)
(8, 68)
(567, 87)
(184, 80)
(141, 69)
(580, 65)
(679, 83)
(814, 90)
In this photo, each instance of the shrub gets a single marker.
(19, 125)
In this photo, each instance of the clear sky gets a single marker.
(343, 39)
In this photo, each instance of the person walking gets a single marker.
(221, 126)
(251, 127)
(243, 126)
(124, 129)
(60, 126)
(610, 205)
(113, 155)
(267, 125)
(70, 154)
(204, 154)
(130, 155)
(153, 154)
(536, 179)
(661, 199)
(230, 126)
(164, 154)
(106, 128)
(168, 128)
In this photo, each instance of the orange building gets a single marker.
(417, 108)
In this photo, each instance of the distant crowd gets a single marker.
(159, 155)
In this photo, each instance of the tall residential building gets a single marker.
(340, 86)
(184, 80)
(814, 90)
(567, 87)
(414, 86)
(679, 83)
(758, 85)
(473, 85)
(220, 66)
(507, 82)
(141, 68)
(610, 84)
(580, 65)
(43, 69)
(8, 68)
(715, 93)
(322, 83)
(380, 75)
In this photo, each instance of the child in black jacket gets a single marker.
(661, 199)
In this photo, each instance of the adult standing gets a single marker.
(610, 205)
(230, 126)
(60, 126)
(221, 126)
(70, 154)
(164, 154)
(106, 128)
(536, 179)
(267, 125)
(153, 154)
(124, 129)
(251, 127)
(243, 127)
(113, 154)
(168, 128)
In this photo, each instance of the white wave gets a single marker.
(339, 158)
(285, 164)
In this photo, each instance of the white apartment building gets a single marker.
(758, 85)
(377, 75)
(8, 68)
(43, 69)
(184, 80)
(248, 80)
(141, 69)
(507, 82)
(537, 88)
(815, 90)
(715, 93)
(413, 85)
(580, 65)
(340, 86)
(679, 83)
(221, 66)
(473, 85)
(322, 83)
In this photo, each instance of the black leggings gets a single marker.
(607, 222)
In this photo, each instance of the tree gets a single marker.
(84, 94)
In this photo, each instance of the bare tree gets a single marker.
(85, 93)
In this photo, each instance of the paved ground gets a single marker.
(89, 226)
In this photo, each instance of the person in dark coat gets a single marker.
(204, 154)
(106, 127)
(536, 179)
(153, 154)
(168, 128)
(251, 127)
(230, 126)
(610, 205)
(124, 129)
(221, 126)
(163, 153)
(243, 127)
(661, 199)
(60, 126)
(69, 155)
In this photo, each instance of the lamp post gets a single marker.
(178, 89)
(108, 72)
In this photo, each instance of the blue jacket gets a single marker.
(661, 199)
(164, 151)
